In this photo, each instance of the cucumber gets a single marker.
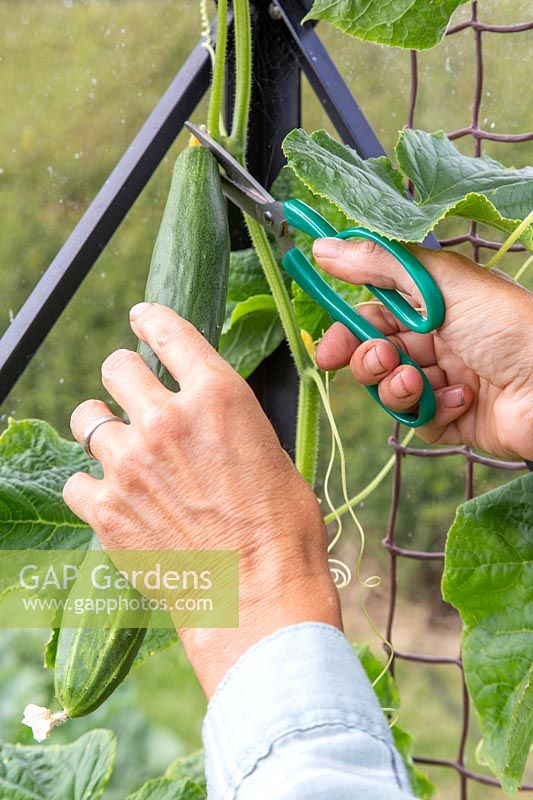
(189, 273)
(92, 662)
(190, 262)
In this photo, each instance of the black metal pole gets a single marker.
(275, 110)
(59, 283)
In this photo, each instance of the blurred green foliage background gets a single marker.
(78, 78)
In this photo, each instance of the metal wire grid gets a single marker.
(465, 775)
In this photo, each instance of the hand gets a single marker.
(203, 469)
(479, 362)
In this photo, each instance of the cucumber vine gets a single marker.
(308, 404)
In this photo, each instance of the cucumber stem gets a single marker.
(307, 429)
(280, 295)
(308, 402)
(243, 72)
(214, 113)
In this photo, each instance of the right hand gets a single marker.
(479, 362)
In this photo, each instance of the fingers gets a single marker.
(363, 261)
(132, 384)
(481, 306)
(373, 361)
(401, 389)
(452, 403)
(177, 343)
(80, 493)
(339, 347)
(420, 346)
(336, 347)
(106, 436)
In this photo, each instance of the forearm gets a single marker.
(270, 599)
(296, 718)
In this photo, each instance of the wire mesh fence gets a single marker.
(480, 31)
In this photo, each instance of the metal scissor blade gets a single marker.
(235, 171)
(243, 200)
(242, 189)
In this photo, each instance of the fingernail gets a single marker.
(328, 248)
(398, 387)
(138, 309)
(373, 362)
(454, 397)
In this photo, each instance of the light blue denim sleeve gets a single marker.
(297, 719)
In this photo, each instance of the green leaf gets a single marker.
(183, 780)
(246, 276)
(254, 332)
(416, 24)
(167, 789)
(288, 185)
(189, 767)
(389, 699)
(488, 577)
(35, 463)
(155, 640)
(311, 317)
(50, 649)
(371, 192)
(78, 771)
(420, 784)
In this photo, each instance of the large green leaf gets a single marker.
(78, 771)
(35, 463)
(168, 789)
(372, 193)
(389, 699)
(416, 24)
(189, 767)
(253, 333)
(183, 780)
(488, 577)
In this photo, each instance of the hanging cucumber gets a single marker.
(189, 273)
(190, 262)
(91, 662)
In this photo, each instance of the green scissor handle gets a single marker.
(299, 215)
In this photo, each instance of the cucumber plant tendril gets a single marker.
(511, 239)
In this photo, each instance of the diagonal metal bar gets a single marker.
(327, 82)
(60, 281)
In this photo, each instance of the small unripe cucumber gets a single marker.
(189, 273)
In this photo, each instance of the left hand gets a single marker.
(203, 469)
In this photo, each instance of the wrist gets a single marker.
(275, 592)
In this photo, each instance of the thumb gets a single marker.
(482, 307)
(361, 261)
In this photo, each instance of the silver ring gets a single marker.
(91, 429)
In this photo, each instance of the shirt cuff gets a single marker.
(297, 679)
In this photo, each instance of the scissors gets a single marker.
(242, 189)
